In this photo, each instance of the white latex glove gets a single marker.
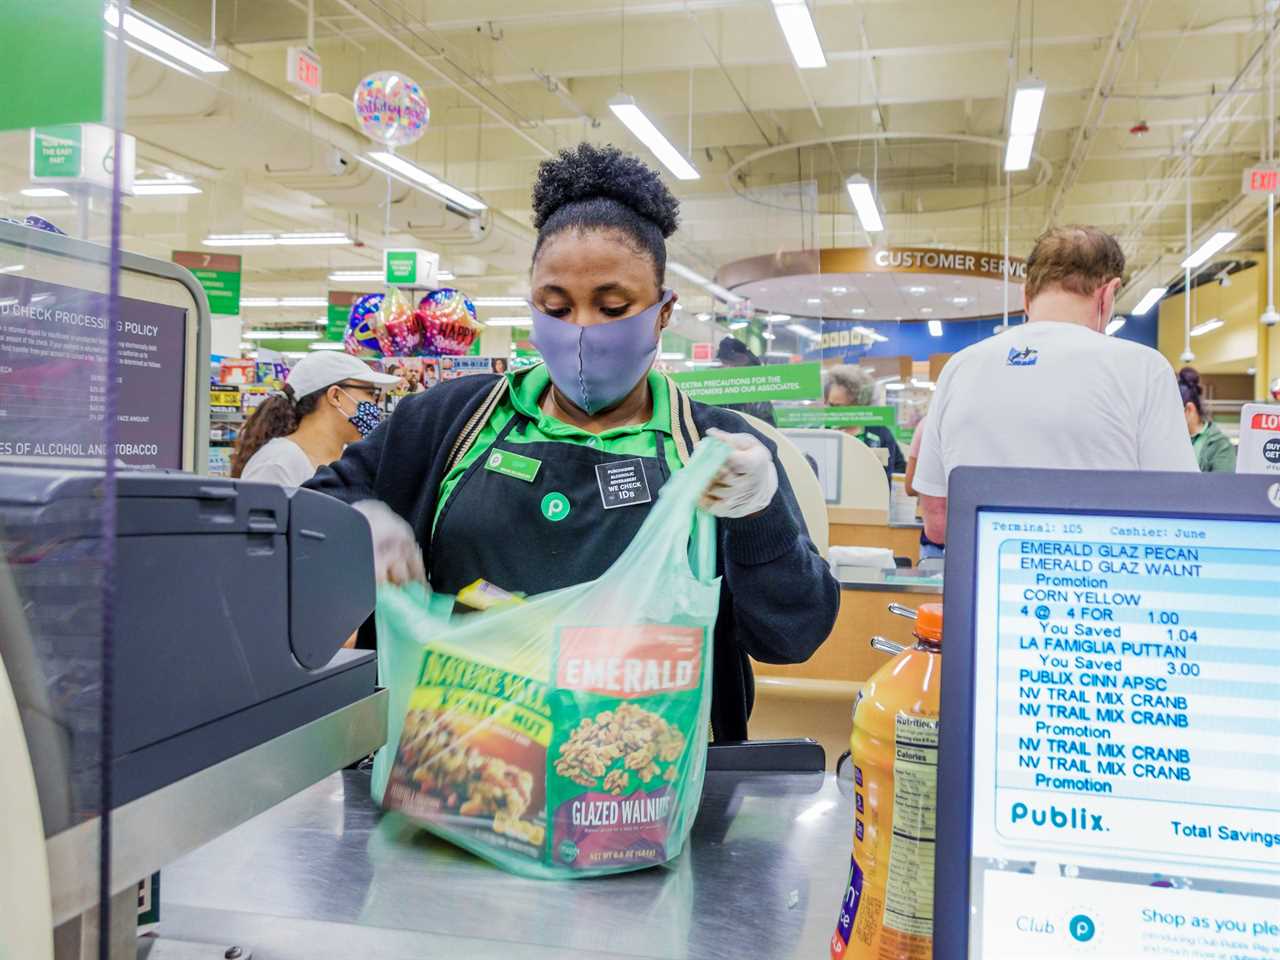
(747, 481)
(397, 558)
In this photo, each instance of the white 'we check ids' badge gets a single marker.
(623, 483)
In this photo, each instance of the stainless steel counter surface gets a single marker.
(895, 581)
(327, 875)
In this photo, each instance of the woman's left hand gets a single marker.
(747, 481)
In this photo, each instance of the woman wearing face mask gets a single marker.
(329, 400)
(511, 478)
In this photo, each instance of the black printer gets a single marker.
(231, 604)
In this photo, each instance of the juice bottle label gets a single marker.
(848, 910)
(908, 906)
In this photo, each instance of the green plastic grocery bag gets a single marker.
(565, 736)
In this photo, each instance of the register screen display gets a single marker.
(1126, 747)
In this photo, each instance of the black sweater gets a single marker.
(778, 600)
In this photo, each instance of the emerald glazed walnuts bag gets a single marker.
(565, 736)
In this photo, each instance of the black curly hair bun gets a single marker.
(588, 173)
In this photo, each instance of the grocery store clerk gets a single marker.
(497, 477)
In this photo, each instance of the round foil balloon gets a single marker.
(449, 324)
(361, 336)
(391, 108)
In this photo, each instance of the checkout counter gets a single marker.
(849, 501)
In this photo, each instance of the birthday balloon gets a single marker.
(397, 328)
(391, 108)
(449, 324)
(361, 337)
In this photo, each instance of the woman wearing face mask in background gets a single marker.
(329, 401)
(496, 477)
(1215, 452)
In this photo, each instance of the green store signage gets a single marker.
(835, 418)
(53, 65)
(787, 381)
(219, 274)
(57, 152)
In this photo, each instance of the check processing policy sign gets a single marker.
(53, 376)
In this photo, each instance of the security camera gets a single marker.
(1187, 356)
(1269, 317)
(1223, 277)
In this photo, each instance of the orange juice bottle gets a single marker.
(887, 913)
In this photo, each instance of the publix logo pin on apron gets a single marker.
(555, 506)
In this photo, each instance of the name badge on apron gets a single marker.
(622, 483)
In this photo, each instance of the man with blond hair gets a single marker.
(1055, 392)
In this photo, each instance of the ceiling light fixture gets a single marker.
(159, 39)
(303, 302)
(777, 318)
(918, 291)
(926, 309)
(704, 317)
(282, 335)
(738, 324)
(240, 240)
(500, 301)
(895, 385)
(508, 322)
(864, 202)
(960, 301)
(935, 328)
(814, 300)
(1115, 326)
(858, 311)
(357, 276)
(1149, 300)
(624, 107)
(415, 176)
(838, 291)
(769, 336)
(1210, 325)
(717, 291)
(43, 192)
(259, 301)
(1207, 249)
(671, 355)
(327, 345)
(801, 34)
(444, 275)
(803, 331)
(164, 188)
(1024, 118)
(329, 239)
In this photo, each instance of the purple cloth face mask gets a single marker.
(597, 366)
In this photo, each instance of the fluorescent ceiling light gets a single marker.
(803, 331)
(814, 300)
(858, 311)
(13, 268)
(895, 386)
(918, 291)
(671, 355)
(1200, 329)
(1115, 326)
(926, 309)
(321, 321)
(769, 336)
(276, 240)
(303, 302)
(312, 239)
(959, 301)
(704, 317)
(625, 109)
(801, 34)
(43, 192)
(357, 276)
(839, 291)
(778, 318)
(1209, 248)
(1024, 118)
(871, 334)
(509, 322)
(164, 188)
(738, 324)
(327, 345)
(259, 301)
(500, 301)
(702, 363)
(414, 175)
(239, 240)
(864, 202)
(164, 40)
(717, 291)
(921, 384)
(445, 275)
(935, 328)
(282, 335)
(777, 353)
(1148, 301)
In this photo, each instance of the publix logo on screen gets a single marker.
(1054, 817)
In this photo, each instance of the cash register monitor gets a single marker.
(1109, 766)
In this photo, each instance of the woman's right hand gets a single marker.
(397, 558)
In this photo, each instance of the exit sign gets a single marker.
(702, 352)
(1262, 180)
(303, 71)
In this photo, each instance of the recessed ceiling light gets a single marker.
(926, 309)
(838, 290)
(917, 291)
(858, 310)
(959, 301)
(814, 300)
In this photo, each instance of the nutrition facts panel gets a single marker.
(1133, 666)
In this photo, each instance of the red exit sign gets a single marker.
(1262, 180)
(303, 69)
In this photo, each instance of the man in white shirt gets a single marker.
(1055, 392)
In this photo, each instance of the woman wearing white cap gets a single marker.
(329, 400)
